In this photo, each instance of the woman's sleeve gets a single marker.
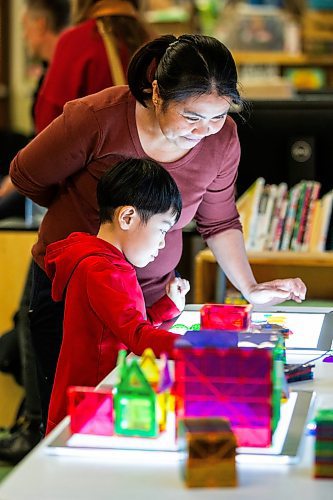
(217, 211)
(61, 150)
(115, 306)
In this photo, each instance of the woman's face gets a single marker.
(185, 123)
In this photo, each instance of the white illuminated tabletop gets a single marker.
(145, 475)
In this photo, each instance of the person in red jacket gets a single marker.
(104, 305)
(80, 65)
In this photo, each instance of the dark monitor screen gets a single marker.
(287, 141)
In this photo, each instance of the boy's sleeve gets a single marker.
(163, 310)
(116, 308)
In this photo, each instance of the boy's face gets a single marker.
(143, 241)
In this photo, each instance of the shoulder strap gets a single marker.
(116, 69)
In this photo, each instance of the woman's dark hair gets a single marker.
(187, 66)
(144, 184)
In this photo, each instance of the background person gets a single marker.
(175, 111)
(80, 65)
(42, 22)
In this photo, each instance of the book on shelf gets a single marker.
(247, 206)
(300, 217)
(329, 236)
(315, 227)
(309, 223)
(274, 218)
(321, 222)
(265, 212)
(290, 217)
(278, 214)
(279, 230)
(325, 216)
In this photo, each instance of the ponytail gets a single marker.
(142, 68)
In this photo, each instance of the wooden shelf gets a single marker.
(307, 259)
(281, 59)
(316, 270)
(15, 257)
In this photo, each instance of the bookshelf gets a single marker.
(314, 268)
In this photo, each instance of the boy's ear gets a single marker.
(126, 217)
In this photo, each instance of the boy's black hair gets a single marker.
(141, 183)
(187, 66)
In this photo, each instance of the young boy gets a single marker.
(104, 306)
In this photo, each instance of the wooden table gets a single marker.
(316, 270)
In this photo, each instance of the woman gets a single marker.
(80, 65)
(174, 111)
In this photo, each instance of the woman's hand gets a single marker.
(276, 291)
(176, 290)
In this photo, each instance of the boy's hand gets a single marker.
(176, 290)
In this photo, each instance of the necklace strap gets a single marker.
(112, 8)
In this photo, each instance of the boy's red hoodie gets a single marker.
(104, 311)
